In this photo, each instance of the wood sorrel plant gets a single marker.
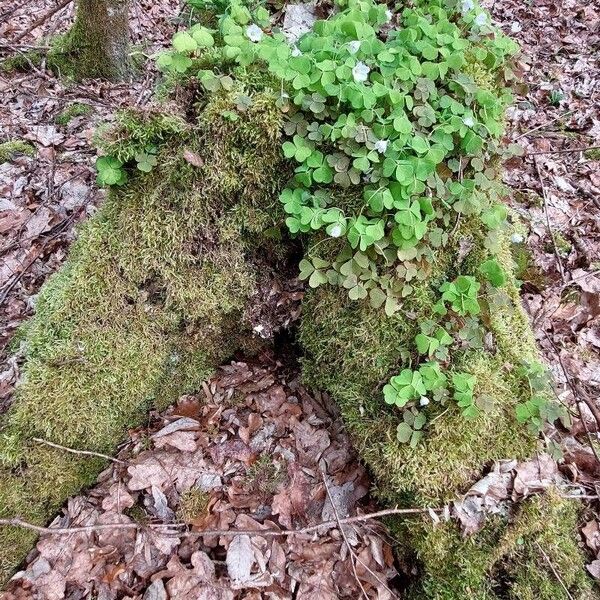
(384, 109)
(392, 118)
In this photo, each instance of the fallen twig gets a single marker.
(544, 125)
(16, 47)
(43, 19)
(16, 522)
(550, 232)
(578, 398)
(353, 557)
(84, 452)
(547, 559)
(564, 151)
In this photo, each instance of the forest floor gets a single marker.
(275, 451)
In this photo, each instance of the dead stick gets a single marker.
(353, 557)
(16, 522)
(543, 125)
(547, 559)
(565, 151)
(550, 232)
(84, 452)
(578, 400)
(43, 19)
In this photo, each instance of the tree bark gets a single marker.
(97, 44)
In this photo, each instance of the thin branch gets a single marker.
(43, 19)
(12, 282)
(576, 390)
(164, 527)
(84, 452)
(353, 557)
(16, 522)
(562, 583)
(544, 125)
(564, 151)
(578, 400)
(17, 47)
(550, 232)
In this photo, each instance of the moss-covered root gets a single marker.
(97, 44)
(535, 556)
(353, 349)
(149, 302)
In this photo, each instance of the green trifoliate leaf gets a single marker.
(183, 42)
(493, 272)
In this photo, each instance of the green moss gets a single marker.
(134, 131)
(592, 154)
(193, 505)
(264, 475)
(511, 558)
(454, 449)
(96, 46)
(353, 349)
(563, 245)
(76, 109)
(10, 150)
(149, 302)
(525, 268)
(22, 62)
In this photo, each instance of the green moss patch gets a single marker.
(454, 449)
(70, 112)
(22, 62)
(149, 302)
(13, 148)
(351, 351)
(534, 554)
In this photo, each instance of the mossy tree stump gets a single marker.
(153, 296)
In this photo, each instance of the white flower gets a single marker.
(381, 146)
(296, 51)
(516, 238)
(360, 72)
(336, 231)
(468, 121)
(481, 19)
(516, 27)
(353, 46)
(424, 401)
(467, 5)
(388, 15)
(254, 33)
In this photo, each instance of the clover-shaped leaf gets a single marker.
(145, 161)
(184, 42)
(298, 148)
(493, 272)
(110, 171)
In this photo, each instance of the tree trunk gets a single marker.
(98, 42)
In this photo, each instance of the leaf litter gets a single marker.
(248, 454)
(556, 193)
